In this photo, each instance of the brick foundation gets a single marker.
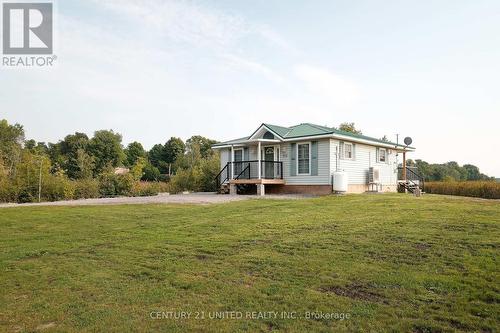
(299, 189)
(322, 189)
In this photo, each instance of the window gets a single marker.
(238, 157)
(303, 158)
(382, 155)
(268, 135)
(348, 151)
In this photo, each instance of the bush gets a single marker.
(144, 189)
(186, 180)
(86, 189)
(25, 196)
(8, 191)
(113, 185)
(150, 173)
(479, 189)
(57, 188)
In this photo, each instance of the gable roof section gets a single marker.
(300, 130)
(281, 131)
(307, 130)
(230, 142)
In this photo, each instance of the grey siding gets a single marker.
(323, 177)
(365, 157)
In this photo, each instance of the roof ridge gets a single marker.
(320, 127)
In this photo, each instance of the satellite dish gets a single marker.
(408, 141)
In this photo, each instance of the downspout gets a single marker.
(259, 159)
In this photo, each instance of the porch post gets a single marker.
(232, 164)
(404, 166)
(259, 158)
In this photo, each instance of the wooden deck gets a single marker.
(257, 181)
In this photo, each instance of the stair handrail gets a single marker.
(218, 183)
(414, 176)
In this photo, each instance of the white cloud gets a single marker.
(333, 88)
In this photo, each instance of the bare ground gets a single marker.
(162, 198)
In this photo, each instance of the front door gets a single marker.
(269, 166)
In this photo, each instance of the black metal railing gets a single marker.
(249, 170)
(413, 177)
(222, 177)
(272, 169)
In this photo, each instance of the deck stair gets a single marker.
(413, 183)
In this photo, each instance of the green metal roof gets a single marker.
(281, 131)
(307, 129)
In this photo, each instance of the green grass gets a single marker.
(391, 262)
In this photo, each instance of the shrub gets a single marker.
(25, 196)
(8, 191)
(112, 185)
(144, 189)
(479, 189)
(150, 173)
(57, 188)
(186, 180)
(86, 189)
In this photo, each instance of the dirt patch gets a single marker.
(202, 198)
(422, 246)
(202, 257)
(42, 327)
(355, 291)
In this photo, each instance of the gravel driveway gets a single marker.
(162, 198)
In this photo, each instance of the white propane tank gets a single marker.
(340, 181)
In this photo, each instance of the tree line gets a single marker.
(79, 163)
(449, 171)
(433, 171)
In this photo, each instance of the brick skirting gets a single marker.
(321, 189)
(299, 189)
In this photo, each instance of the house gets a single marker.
(304, 159)
(121, 171)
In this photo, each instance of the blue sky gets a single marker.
(155, 69)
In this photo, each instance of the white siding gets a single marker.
(365, 157)
(323, 177)
(224, 157)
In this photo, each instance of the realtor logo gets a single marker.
(27, 28)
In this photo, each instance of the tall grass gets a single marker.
(479, 189)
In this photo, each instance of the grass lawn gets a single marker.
(387, 262)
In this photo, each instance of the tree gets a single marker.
(349, 127)
(66, 152)
(150, 173)
(174, 148)
(164, 156)
(384, 138)
(11, 139)
(204, 145)
(137, 170)
(133, 152)
(85, 164)
(157, 157)
(106, 147)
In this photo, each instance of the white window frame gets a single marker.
(242, 160)
(242, 153)
(386, 155)
(352, 151)
(297, 158)
(276, 157)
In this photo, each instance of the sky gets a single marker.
(155, 69)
